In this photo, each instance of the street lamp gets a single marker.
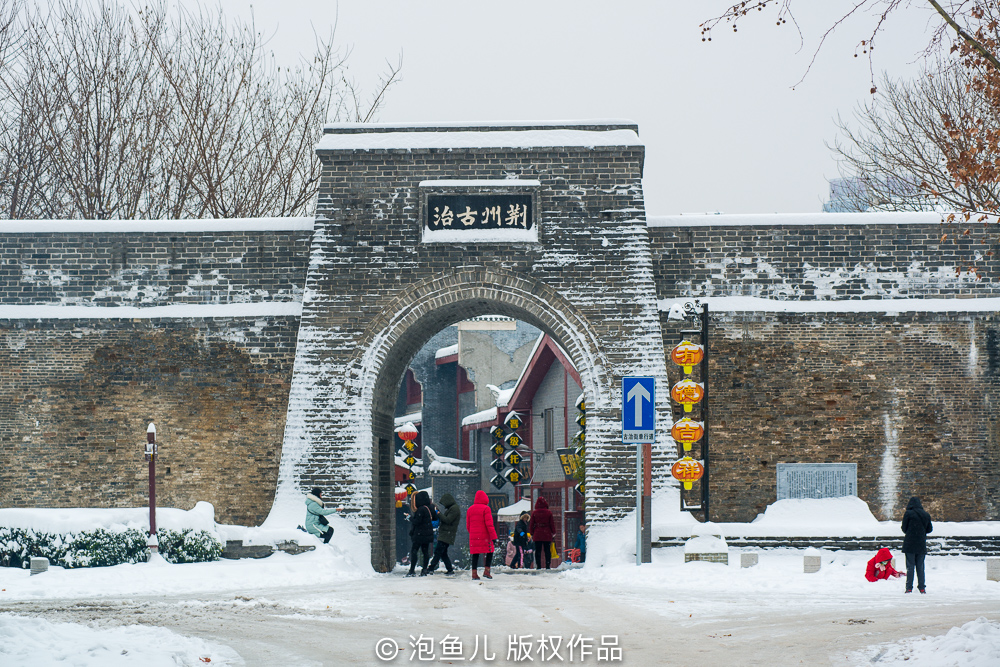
(152, 543)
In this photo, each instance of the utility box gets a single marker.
(748, 559)
(993, 569)
(811, 563)
(39, 565)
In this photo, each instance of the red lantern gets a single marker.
(687, 354)
(687, 470)
(687, 431)
(687, 392)
(408, 431)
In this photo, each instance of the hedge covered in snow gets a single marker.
(102, 547)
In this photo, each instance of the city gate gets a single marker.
(418, 227)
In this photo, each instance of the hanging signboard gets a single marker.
(569, 460)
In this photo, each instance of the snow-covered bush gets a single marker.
(101, 547)
(189, 546)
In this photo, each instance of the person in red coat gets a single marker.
(542, 528)
(880, 566)
(482, 533)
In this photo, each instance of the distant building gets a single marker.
(857, 195)
(455, 394)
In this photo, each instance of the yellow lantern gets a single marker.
(687, 471)
(687, 432)
(687, 392)
(687, 355)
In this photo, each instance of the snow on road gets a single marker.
(298, 610)
(39, 643)
(328, 607)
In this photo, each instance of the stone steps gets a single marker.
(937, 546)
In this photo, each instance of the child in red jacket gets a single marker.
(880, 566)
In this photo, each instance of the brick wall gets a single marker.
(76, 394)
(75, 399)
(813, 259)
(911, 397)
(152, 268)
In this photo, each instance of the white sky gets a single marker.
(724, 131)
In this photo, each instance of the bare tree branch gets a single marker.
(123, 112)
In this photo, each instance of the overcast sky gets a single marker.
(723, 128)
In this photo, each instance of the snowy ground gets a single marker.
(328, 608)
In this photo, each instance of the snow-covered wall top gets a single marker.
(143, 264)
(481, 126)
(803, 219)
(586, 134)
(820, 257)
(156, 226)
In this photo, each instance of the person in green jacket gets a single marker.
(315, 508)
(447, 532)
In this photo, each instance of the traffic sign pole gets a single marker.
(638, 504)
(639, 427)
(647, 502)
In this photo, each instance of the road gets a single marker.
(340, 624)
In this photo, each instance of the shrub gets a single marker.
(188, 546)
(101, 547)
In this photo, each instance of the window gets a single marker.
(550, 430)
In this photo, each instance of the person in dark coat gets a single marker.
(447, 532)
(482, 533)
(542, 528)
(520, 541)
(916, 524)
(422, 517)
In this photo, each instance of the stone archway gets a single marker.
(380, 285)
(422, 311)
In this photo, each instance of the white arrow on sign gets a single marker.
(637, 394)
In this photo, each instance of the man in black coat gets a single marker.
(916, 524)
(447, 532)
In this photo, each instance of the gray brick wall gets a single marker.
(152, 268)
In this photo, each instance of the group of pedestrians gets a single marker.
(538, 526)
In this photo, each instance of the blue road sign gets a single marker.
(638, 414)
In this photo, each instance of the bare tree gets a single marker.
(964, 18)
(945, 126)
(137, 113)
(896, 152)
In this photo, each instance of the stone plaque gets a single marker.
(817, 480)
(479, 211)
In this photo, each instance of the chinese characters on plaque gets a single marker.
(479, 211)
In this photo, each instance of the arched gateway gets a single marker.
(420, 227)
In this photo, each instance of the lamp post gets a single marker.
(152, 542)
